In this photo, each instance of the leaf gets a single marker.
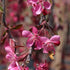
(17, 27)
(50, 1)
(1, 9)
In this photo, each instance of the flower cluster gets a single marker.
(39, 6)
(37, 41)
(41, 42)
(13, 58)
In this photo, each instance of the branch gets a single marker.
(4, 21)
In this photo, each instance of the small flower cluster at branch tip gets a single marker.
(41, 42)
(38, 6)
(13, 58)
(42, 66)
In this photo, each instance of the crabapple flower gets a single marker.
(49, 44)
(32, 2)
(38, 6)
(33, 38)
(47, 5)
(9, 48)
(42, 66)
(12, 57)
(37, 9)
(15, 66)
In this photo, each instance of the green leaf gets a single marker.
(1, 9)
(17, 27)
(50, 1)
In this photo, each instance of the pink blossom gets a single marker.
(49, 44)
(15, 19)
(32, 1)
(14, 6)
(38, 6)
(32, 38)
(15, 66)
(10, 56)
(47, 5)
(42, 66)
(37, 9)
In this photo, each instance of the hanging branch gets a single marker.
(4, 20)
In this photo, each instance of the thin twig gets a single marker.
(4, 20)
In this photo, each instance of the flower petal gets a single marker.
(32, 1)
(38, 45)
(34, 30)
(12, 44)
(47, 5)
(43, 39)
(37, 9)
(55, 39)
(12, 65)
(26, 33)
(30, 42)
(11, 56)
(50, 47)
(45, 50)
(8, 49)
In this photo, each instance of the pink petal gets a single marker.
(47, 5)
(30, 42)
(11, 56)
(50, 47)
(55, 39)
(11, 42)
(15, 19)
(44, 39)
(26, 33)
(15, 68)
(45, 50)
(38, 45)
(12, 65)
(34, 30)
(12, 14)
(32, 1)
(8, 49)
(37, 9)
